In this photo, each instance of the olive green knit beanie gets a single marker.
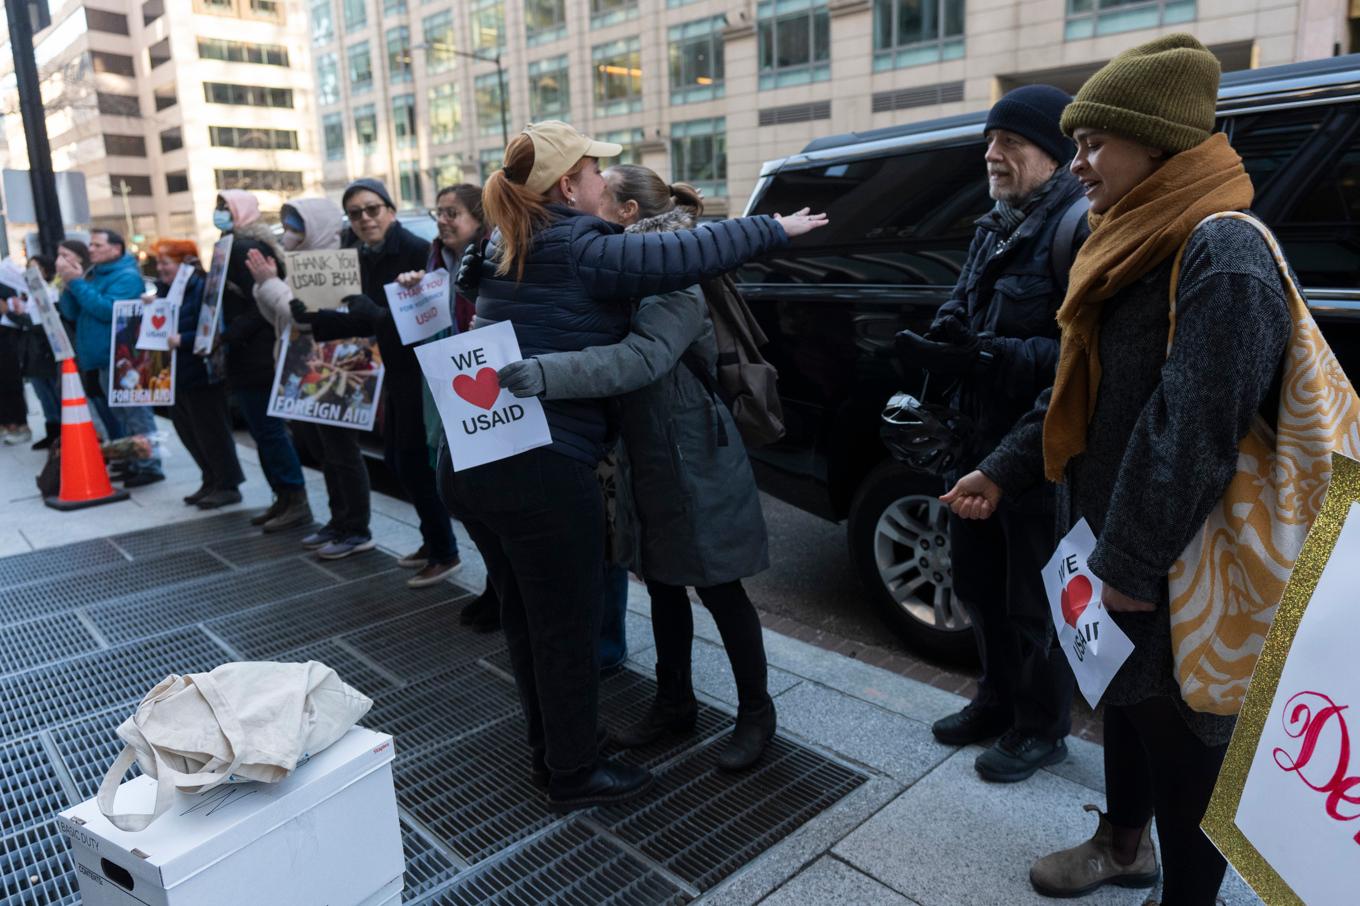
(1162, 93)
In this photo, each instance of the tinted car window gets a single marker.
(905, 219)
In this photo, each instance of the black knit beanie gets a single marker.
(368, 184)
(1034, 111)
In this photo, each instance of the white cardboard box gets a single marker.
(326, 836)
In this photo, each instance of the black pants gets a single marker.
(342, 465)
(738, 624)
(1155, 765)
(203, 422)
(538, 520)
(13, 406)
(997, 566)
(407, 454)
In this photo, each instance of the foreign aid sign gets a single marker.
(483, 422)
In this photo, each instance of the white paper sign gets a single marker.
(482, 422)
(12, 275)
(159, 318)
(210, 315)
(322, 278)
(1300, 805)
(1094, 644)
(41, 298)
(423, 310)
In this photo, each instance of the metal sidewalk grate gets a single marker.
(568, 866)
(426, 865)
(425, 643)
(30, 790)
(442, 709)
(625, 699)
(252, 550)
(363, 565)
(87, 748)
(51, 562)
(204, 599)
(353, 670)
(703, 824)
(35, 868)
(42, 641)
(57, 693)
(475, 794)
(268, 631)
(104, 584)
(146, 543)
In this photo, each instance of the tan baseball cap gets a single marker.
(557, 148)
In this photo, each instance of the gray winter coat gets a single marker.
(688, 510)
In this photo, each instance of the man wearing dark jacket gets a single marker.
(387, 249)
(997, 336)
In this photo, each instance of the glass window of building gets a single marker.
(399, 54)
(289, 181)
(1088, 18)
(366, 127)
(177, 182)
(404, 120)
(136, 185)
(356, 13)
(618, 77)
(360, 67)
(549, 89)
(247, 95)
(487, 93)
(699, 155)
(910, 32)
(544, 20)
(323, 22)
(438, 34)
(172, 140)
(488, 26)
(611, 12)
(393, 7)
(448, 171)
(408, 183)
(125, 145)
(631, 142)
(445, 114)
(696, 51)
(489, 160)
(333, 135)
(794, 42)
(242, 52)
(246, 137)
(327, 79)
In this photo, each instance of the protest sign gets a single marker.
(44, 305)
(1094, 644)
(12, 275)
(333, 383)
(137, 377)
(211, 312)
(159, 318)
(321, 279)
(1286, 808)
(482, 422)
(423, 310)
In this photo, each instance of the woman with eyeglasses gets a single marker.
(387, 250)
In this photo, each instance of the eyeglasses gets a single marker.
(370, 211)
(444, 213)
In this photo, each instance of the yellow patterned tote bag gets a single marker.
(1228, 582)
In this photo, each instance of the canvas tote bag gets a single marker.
(1228, 582)
(251, 720)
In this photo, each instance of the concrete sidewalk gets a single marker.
(921, 829)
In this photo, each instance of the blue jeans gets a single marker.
(132, 420)
(614, 628)
(278, 459)
(48, 393)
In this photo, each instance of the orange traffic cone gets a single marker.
(84, 479)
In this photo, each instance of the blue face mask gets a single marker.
(222, 220)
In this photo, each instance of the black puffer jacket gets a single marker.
(1009, 287)
(248, 337)
(583, 273)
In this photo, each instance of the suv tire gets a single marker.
(898, 533)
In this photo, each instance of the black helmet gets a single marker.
(924, 436)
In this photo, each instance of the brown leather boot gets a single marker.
(1078, 871)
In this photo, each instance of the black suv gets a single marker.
(902, 202)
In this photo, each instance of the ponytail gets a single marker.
(512, 209)
(686, 196)
(630, 182)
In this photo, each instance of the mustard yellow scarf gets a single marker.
(1143, 229)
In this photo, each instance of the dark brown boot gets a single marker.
(1078, 871)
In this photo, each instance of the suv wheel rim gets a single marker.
(911, 551)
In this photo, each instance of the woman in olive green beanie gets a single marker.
(1144, 441)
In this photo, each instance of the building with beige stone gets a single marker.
(706, 90)
(161, 104)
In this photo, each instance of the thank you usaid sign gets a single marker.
(482, 422)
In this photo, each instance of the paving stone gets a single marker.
(1085, 764)
(898, 746)
(713, 673)
(830, 881)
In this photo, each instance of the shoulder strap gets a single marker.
(1065, 238)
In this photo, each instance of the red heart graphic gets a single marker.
(158, 321)
(1075, 597)
(481, 391)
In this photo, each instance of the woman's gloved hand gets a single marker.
(469, 271)
(362, 306)
(300, 313)
(939, 358)
(523, 378)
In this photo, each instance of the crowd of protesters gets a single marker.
(607, 279)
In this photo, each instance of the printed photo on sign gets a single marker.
(43, 299)
(137, 377)
(1091, 640)
(321, 279)
(482, 422)
(211, 313)
(423, 310)
(159, 318)
(334, 383)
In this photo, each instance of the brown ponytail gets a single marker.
(630, 182)
(512, 208)
(686, 196)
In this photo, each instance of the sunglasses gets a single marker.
(369, 211)
(444, 213)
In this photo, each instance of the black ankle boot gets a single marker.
(673, 712)
(755, 729)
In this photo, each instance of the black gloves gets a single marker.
(362, 307)
(469, 270)
(300, 313)
(957, 353)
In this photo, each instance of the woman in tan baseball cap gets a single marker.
(568, 280)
